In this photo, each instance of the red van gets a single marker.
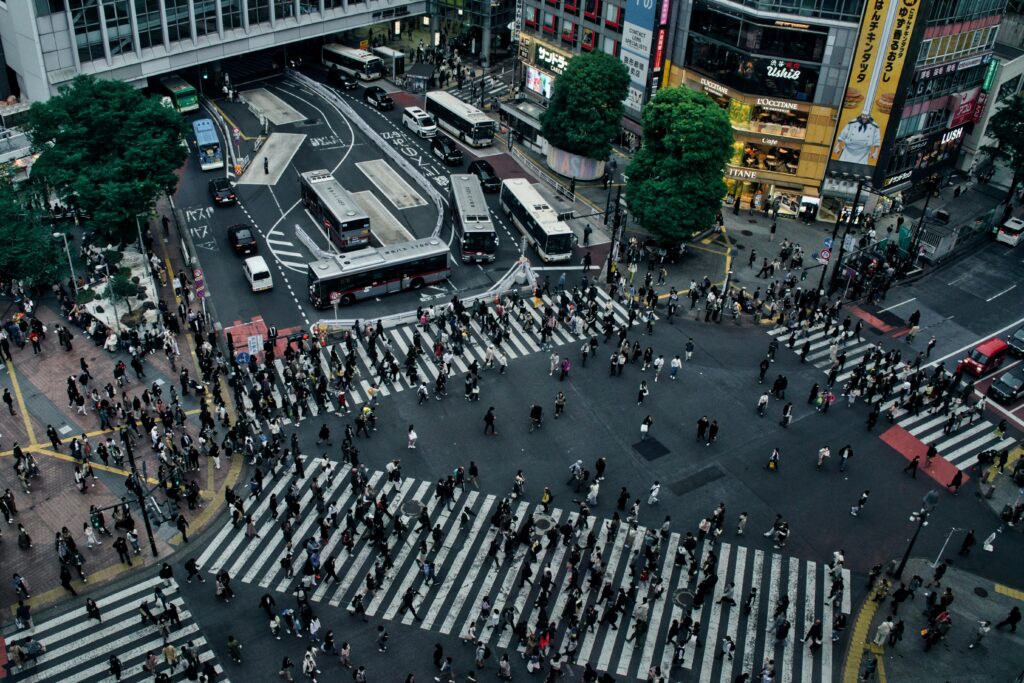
(985, 357)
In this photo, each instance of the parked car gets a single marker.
(445, 149)
(221, 192)
(985, 357)
(378, 97)
(1008, 387)
(242, 239)
(1016, 342)
(341, 79)
(489, 180)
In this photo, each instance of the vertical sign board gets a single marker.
(637, 39)
(889, 35)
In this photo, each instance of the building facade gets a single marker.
(779, 71)
(49, 42)
(481, 27)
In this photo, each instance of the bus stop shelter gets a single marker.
(419, 77)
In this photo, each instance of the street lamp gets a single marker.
(928, 503)
(71, 267)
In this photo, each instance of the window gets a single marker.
(119, 27)
(589, 39)
(285, 9)
(592, 9)
(85, 16)
(553, 3)
(147, 13)
(756, 37)
(530, 16)
(550, 23)
(571, 6)
(610, 45)
(45, 7)
(753, 75)
(613, 16)
(570, 31)
(178, 26)
(206, 16)
(259, 11)
(231, 14)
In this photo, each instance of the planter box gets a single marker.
(572, 165)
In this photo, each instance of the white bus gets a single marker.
(359, 63)
(462, 120)
(471, 220)
(334, 210)
(553, 239)
(372, 272)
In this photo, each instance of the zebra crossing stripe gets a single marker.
(667, 570)
(711, 643)
(756, 575)
(608, 642)
(613, 563)
(787, 655)
(732, 628)
(809, 613)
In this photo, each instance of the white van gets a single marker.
(1011, 232)
(257, 273)
(419, 122)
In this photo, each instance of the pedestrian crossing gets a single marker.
(494, 89)
(518, 343)
(78, 648)
(467, 574)
(959, 444)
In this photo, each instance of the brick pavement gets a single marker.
(39, 383)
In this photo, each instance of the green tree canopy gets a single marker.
(29, 252)
(1006, 126)
(108, 145)
(585, 112)
(675, 179)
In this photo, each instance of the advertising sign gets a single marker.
(637, 40)
(550, 60)
(962, 107)
(883, 46)
(539, 82)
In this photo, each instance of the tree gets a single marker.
(107, 148)
(29, 252)
(675, 183)
(1006, 127)
(585, 112)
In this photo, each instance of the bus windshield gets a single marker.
(559, 244)
(476, 242)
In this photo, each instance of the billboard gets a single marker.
(635, 53)
(884, 44)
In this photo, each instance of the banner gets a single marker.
(883, 46)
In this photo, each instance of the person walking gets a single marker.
(234, 650)
(861, 502)
(882, 631)
(912, 467)
(652, 499)
(956, 482)
(712, 433)
(489, 420)
(412, 437)
(984, 626)
(967, 544)
(645, 427)
(1011, 620)
(702, 428)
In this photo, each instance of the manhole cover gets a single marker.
(981, 592)
(746, 233)
(737, 246)
(411, 508)
(683, 598)
(542, 523)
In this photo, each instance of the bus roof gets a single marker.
(331, 191)
(350, 51)
(528, 196)
(370, 257)
(469, 196)
(446, 99)
(205, 131)
(174, 82)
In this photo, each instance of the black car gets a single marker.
(379, 98)
(342, 79)
(483, 170)
(242, 239)
(221, 192)
(445, 149)
(1016, 342)
(1008, 387)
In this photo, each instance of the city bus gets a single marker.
(371, 272)
(183, 96)
(333, 209)
(359, 63)
(464, 121)
(207, 145)
(553, 239)
(471, 220)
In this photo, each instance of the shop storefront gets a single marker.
(774, 157)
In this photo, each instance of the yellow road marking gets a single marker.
(232, 123)
(21, 403)
(1010, 592)
(720, 252)
(859, 642)
(96, 465)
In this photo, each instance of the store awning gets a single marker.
(515, 112)
(420, 71)
(632, 126)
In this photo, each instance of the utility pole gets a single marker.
(928, 504)
(138, 488)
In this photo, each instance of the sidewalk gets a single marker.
(996, 658)
(38, 383)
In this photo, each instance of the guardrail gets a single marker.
(308, 242)
(389, 151)
(519, 276)
(540, 173)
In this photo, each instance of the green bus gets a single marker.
(183, 96)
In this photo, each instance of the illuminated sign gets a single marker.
(539, 82)
(777, 105)
(715, 88)
(665, 5)
(555, 62)
(778, 68)
(898, 178)
(790, 24)
(659, 50)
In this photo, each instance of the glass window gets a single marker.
(569, 32)
(231, 14)
(147, 14)
(754, 75)
(206, 16)
(550, 22)
(767, 120)
(763, 38)
(778, 159)
(589, 39)
(259, 11)
(45, 7)
(592, 9)
(119, 26)
(178, 27)
(610, 45)
(85, 16)
(285, 8)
